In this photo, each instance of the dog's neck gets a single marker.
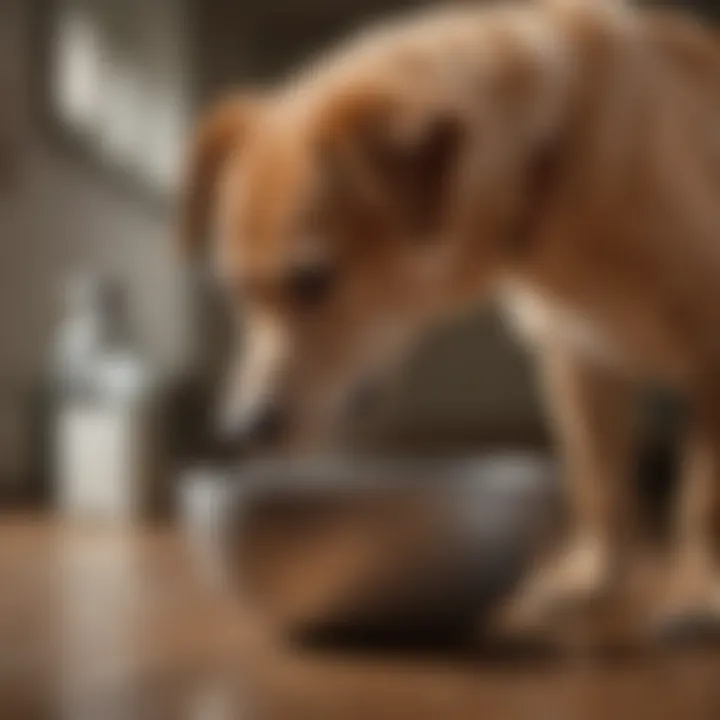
(476, 256)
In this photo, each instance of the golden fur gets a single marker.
(564, 156)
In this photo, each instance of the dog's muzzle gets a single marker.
(262, 429)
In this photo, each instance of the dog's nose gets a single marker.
(261, 430)
(265, 428)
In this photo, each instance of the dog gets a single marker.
(560, 156)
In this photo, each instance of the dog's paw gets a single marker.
(572, 581)
(689, 611)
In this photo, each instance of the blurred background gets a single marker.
(97, 98)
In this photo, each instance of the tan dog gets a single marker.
(564, 156)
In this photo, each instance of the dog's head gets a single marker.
(342, 219)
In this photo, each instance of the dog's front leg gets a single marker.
(590, 409)
(691, 601)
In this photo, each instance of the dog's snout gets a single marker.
(262, 431)
(265, 428)
(261, 427)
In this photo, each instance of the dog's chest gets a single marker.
(538, 318)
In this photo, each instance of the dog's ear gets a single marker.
(219, 134)
(397, 156)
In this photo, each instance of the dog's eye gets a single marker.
(309, 285)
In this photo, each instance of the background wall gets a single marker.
(59, 216)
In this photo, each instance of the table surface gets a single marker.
(105, 624)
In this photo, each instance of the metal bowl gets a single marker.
(412, 547)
